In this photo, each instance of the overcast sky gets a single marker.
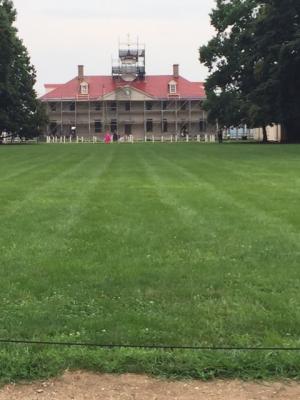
(60, 34)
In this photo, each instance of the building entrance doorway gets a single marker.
(128, 129)
(114, 126)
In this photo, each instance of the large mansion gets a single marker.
(128, 102)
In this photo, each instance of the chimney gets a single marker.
(176, 70)
(80, 72)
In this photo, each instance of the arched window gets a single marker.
(172, 87)
(84, 88)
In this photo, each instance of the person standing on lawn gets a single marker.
(220, 136)
(107, 138)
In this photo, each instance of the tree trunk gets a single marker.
(265, 135)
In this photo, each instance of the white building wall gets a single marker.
(274, 133)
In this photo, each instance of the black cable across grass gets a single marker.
(144, 347)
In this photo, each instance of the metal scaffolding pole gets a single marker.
(190, 117)
(162, 116)
(176, 117)
(75, 108)
(117, 114)
(145, 122)
(61, 116)
(89, 117)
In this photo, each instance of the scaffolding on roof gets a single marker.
(131, 62)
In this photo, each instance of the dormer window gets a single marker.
(172, 87)
(84, 88)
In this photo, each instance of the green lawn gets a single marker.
(164, 244)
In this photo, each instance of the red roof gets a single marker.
(155, 86)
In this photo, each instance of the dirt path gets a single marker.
(82, 385)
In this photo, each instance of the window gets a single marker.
(113, 126)
(72, 107)
(53, 127)
(183, 105)
(128, 129)
(127, 106)
(53, 106)
(149, 105)
(165, 125)
(97, 106)
(113, 106)
(202, 126)
(149, 125)
(98, 126)
(183, 128)
(172, 87)
(84, 88)
(164, 105)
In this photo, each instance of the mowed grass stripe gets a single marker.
(224, 196)
(152, 244)
(54, 204)
(17, 161)
(266, 242)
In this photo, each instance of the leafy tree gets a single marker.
(7, 36)
(253, 62)
(277, 63)
(281, 20)
(228, 57)
(20, 111)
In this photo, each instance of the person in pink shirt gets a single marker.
(107, 138)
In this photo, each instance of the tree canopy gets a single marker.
(20, 111)
(254, 64)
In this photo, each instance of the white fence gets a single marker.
(131, 139)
